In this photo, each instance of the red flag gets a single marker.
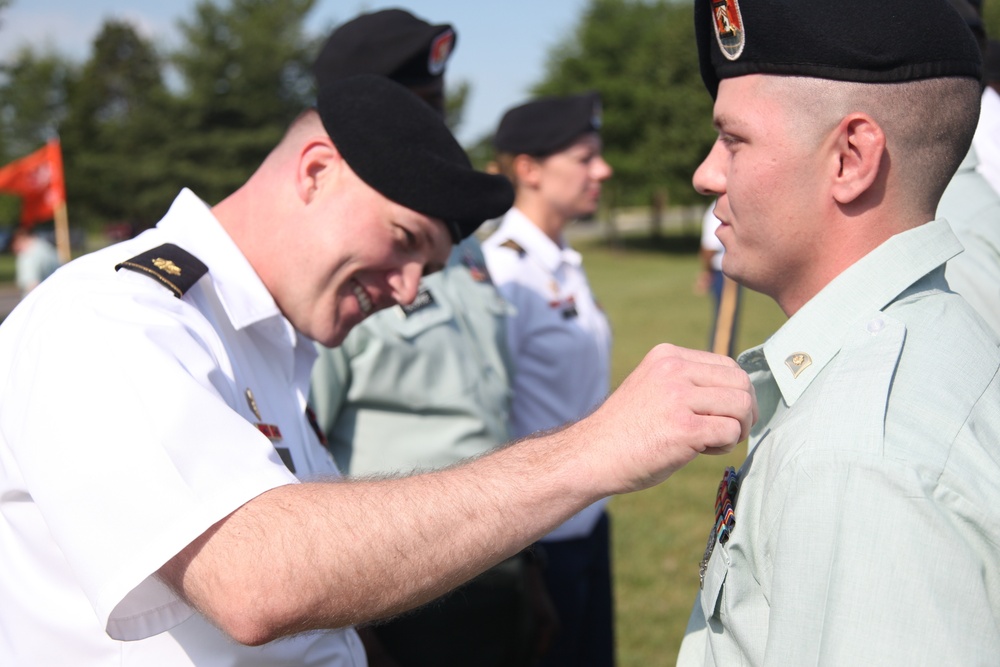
(38, 179)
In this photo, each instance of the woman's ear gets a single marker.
(860, 146)
(527, 169)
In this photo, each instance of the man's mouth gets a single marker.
(367, 308)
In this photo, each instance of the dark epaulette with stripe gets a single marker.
(513, 245)
(173, 267)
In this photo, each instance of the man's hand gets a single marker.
(676, 404)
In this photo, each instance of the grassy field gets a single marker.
(659, 534)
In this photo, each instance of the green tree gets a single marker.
(642, 58)
(115, 130)
(454, 103)
(33, 100)
(245, 72)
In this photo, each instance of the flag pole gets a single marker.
(62, 232)
(726, 316)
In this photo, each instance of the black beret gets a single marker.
(972, 18)
(868, 41)
(546, 125)
(391, 42)
(402, 149)
(991, 62)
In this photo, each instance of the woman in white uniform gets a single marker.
(559, 338)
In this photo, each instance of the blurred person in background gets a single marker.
(726, 292)
(559, 338)
(35, 259)
(425, 385)
(970, 204)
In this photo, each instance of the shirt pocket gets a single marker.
(714, 584)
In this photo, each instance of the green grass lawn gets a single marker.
(6, 268)
(659, 534)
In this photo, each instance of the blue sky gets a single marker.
(502, 46)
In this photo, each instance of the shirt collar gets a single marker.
(241, 291)
(517, 227)
(805, 344)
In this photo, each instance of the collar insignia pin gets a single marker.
(798, 362)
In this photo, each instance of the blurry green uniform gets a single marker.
(867, 515)
(972, 208)
(421, 387)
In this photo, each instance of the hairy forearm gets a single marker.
(329, 554)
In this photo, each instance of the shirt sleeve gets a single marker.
(867, 567)
(123, 429)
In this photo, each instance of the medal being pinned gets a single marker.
(725, 517)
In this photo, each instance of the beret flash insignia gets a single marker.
(728, 24)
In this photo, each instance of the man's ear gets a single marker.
(317, 161)
(860, 145)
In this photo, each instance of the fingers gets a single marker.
(713, 371)
(676, 404)
(735, 406)
(668, 351)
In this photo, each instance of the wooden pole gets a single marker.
(726, 316)
(62, 233)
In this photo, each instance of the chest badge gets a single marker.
(725, 518)
(271, 431)
(476, 266)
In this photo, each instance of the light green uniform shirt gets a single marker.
(972, 208)
(867, 523)
(422, 386)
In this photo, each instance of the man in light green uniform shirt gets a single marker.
(420, 386)
(972, 208)
(863, 527)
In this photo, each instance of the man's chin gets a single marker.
(337, 335)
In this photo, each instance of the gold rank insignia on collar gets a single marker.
(171, 266)
(798, 362)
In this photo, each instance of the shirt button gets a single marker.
(876, 325)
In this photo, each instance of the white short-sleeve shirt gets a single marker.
(126, 430)
(560, 340)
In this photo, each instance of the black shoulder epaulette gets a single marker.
(513, 245)
(174, 267)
